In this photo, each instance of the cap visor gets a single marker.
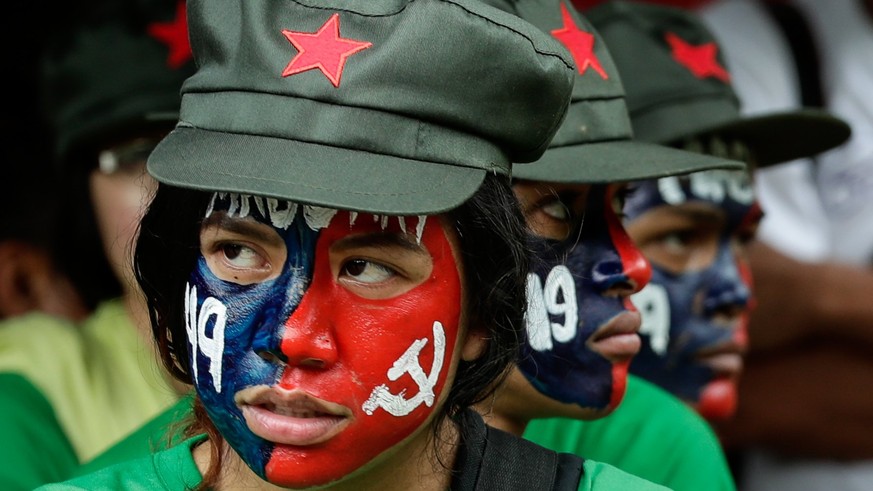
(782, 137)
(310, 173)
(772, 138)
(617, 161)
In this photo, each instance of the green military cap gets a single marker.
(678, 87)
(116, 73)
(595, 142)
(386, 106)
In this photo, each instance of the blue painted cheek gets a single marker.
(668, 352)
(558, 362)
(254, 324)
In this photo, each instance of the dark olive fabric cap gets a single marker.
(594, 144)
(111, 77)
(386, 106)
(678, 86)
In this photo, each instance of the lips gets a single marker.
(726, 359)
(617, 340)
(291, 417)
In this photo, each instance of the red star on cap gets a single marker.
(700, 60)
(175, 35)
(579, 43)
(324, 50)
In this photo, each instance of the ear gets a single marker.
(15, 295)
(29, 282)
(476, 342)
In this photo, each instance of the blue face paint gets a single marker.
(566, 306)
(239, 322)
(691, 312)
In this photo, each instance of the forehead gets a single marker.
(282, 214)
(721, 188)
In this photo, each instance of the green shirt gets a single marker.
(174, 470)
(651, 434)
(88, 385)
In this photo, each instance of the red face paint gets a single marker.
(341, 346)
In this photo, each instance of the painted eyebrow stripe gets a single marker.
(316, 217)
(243, 227)
(380, 241)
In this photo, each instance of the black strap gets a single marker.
(803, 48)
(491, 459)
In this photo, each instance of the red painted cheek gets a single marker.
(361, 339)
(619, 383)
(636, 266)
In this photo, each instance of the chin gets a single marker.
(718, 400)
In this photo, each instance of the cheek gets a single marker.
(119, 204)
(376, 335)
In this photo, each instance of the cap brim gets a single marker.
(782, 137)
(772, 138)
(617, 161)
(310, 173)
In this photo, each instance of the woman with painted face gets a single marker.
(334, 257)
(581, 328)
(694, 229)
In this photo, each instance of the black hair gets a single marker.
(491, 234)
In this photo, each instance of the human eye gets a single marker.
(677, 243)
(619, 198)
(241, 256)
(367, 272)
(557, 210)
(242, 251)
(555, 216)
(379, 266)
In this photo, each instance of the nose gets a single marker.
(307, 340)
(728, 293)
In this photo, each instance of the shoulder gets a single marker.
(634, 436)
(171, 469)
(142, 441)
(598, 476)
(34, 344)
(28, 421)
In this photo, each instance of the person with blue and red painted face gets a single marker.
(581, 326)
(694, 229)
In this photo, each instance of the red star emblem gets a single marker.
(175, 35)
(579, 43)
(700, 60)
(324, 50)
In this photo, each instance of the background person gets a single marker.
(109, 85)
(694, 230)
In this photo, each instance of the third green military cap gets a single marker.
(595, 144)
(386, 106)
(678, 86)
